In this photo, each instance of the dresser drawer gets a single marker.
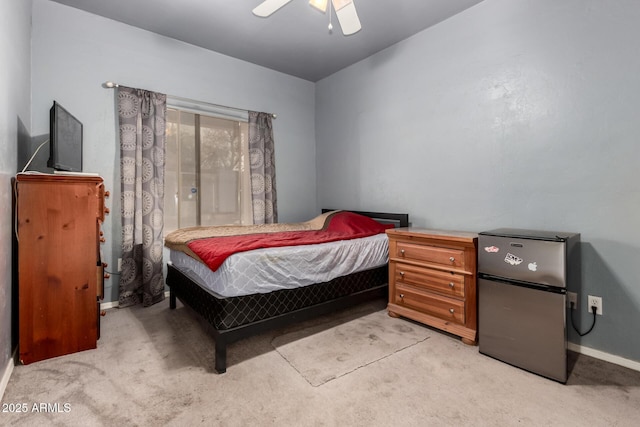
(449, 309)
(444, 282)
(448, 257)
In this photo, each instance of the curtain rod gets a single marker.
(112, 85)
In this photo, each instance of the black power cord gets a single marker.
(594, 309)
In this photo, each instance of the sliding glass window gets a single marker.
(206, 181)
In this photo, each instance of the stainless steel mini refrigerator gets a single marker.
(522, 282)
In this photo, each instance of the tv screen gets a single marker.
(65, 140)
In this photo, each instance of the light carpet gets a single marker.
(324, 352)
(154, 367)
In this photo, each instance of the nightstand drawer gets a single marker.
(449, 309)
(444, 282)
(453, 258)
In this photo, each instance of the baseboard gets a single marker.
(108, 305)
(7, 374)
(607, 357)
(114, 304)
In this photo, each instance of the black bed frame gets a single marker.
(303, 303)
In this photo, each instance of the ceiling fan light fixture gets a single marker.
(345, 12)
(321, 5)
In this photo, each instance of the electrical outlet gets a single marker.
(119, 264)
(572, 297)
(595, 302)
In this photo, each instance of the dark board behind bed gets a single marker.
(236, 318)
(398, 220)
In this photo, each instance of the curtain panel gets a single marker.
(141, 116)
(263, 168)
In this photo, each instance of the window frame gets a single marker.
(244, 186)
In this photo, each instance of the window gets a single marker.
(206, 171)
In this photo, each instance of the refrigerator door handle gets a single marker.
(514, 282)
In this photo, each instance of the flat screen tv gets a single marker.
(65, 140)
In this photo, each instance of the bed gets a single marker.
(237, 306)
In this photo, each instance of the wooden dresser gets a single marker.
(432, 279)
(60, 272)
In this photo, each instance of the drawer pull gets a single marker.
(402, 273)
(401, 296)
(451, 310)
(452, 259)
(402, 252)
(451, 285)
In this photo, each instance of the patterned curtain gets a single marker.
(263, 168)
(142, 148)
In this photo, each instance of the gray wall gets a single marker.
(516, 114)
(75, 52)
(15, 121)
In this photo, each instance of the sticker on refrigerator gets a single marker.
(512, 259)
(492, 249)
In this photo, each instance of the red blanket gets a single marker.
(341, 226)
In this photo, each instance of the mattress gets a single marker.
(266, 270)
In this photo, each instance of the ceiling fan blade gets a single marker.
(267, 7)
(347, 16)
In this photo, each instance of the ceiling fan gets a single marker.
(345, 11)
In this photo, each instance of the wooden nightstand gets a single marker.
(432, 279)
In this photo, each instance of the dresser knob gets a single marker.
(402, 252)
(102, 240)
(452, 259)
(451, 310)
(402, 273)
(401, 296)
(451, 285)
(107, 194)
(107, 210)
